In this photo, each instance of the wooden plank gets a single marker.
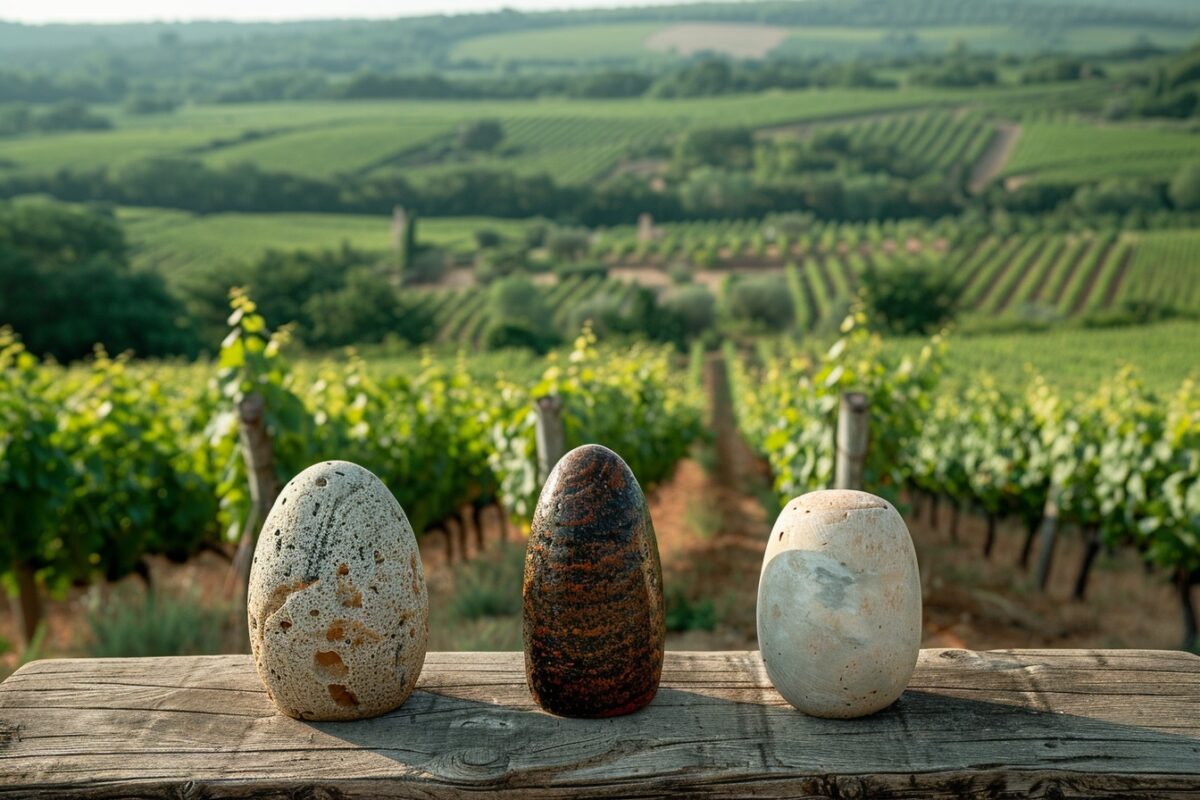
(1040, 723)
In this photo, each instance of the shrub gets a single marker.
(427, 265)
(486, 238)
(684, 614)
(1185, 188)
(605, 313)
(568, 244)
(154, 624)
(763, 301)
(490, 585)
(483, 135)
(587, 269)
(689, 312)
(917, 296)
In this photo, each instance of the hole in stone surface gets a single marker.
(341, 695)
(314, 613)
(322, 482)
(378, 557)
(344, 569)
(316, 508)
(330, 664)
(283, 626)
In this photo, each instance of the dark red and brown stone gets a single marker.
(593, 604)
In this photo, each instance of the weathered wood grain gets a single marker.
(1039, 723)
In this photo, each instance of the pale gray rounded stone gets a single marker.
(839, 604)
(338, 610)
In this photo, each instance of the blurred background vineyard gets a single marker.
(697, 225)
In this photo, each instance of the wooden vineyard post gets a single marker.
(27, 605)
(1031, 529)
(551, 438)
(990, 541)
(851, 443)
(1089, 556)
(259, 456)
(1184, 581)
(1046, 546)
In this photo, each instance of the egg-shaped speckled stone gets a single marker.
(338, 611)
(593, 603)
(839, 604)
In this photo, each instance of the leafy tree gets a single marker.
(913, 296)
(761, 301)
(687, 313)
(366, 309)
(483, 135)
(568, 244)
(519, 315)
(65, 286)
(486, 238)
(1185, 188)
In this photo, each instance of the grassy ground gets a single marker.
(1075, 359)
(170, 241)
(622, 41)
(627, 41)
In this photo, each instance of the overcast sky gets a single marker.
(38, 11)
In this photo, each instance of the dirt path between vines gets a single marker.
(995, 156)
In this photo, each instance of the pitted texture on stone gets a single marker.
(338, 611)
(839, 604)
(593, 603)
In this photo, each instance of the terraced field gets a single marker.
(1078, 151)
(573, 139)
(462, 316)
(1039, 275)
(939, 139)
(1165, 268)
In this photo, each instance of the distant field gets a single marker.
(625, 41)
(846, 42)
(1067, 150)
(1075, 359)
(736, 41)
(1165, 269)
(575, 139)
(324, 150)
(172, 241)
(640, 41)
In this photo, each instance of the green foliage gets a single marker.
(366, 309)
(631, 401)
(762, 302)
(685, 614)
(787, 408)
(481, 135)
(129, 624)
(35, 472)
(65, 286)
(490, 585)
(687, 313)
(519, 315)
(1185, 187)
(1121, 460)
(911, 296)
